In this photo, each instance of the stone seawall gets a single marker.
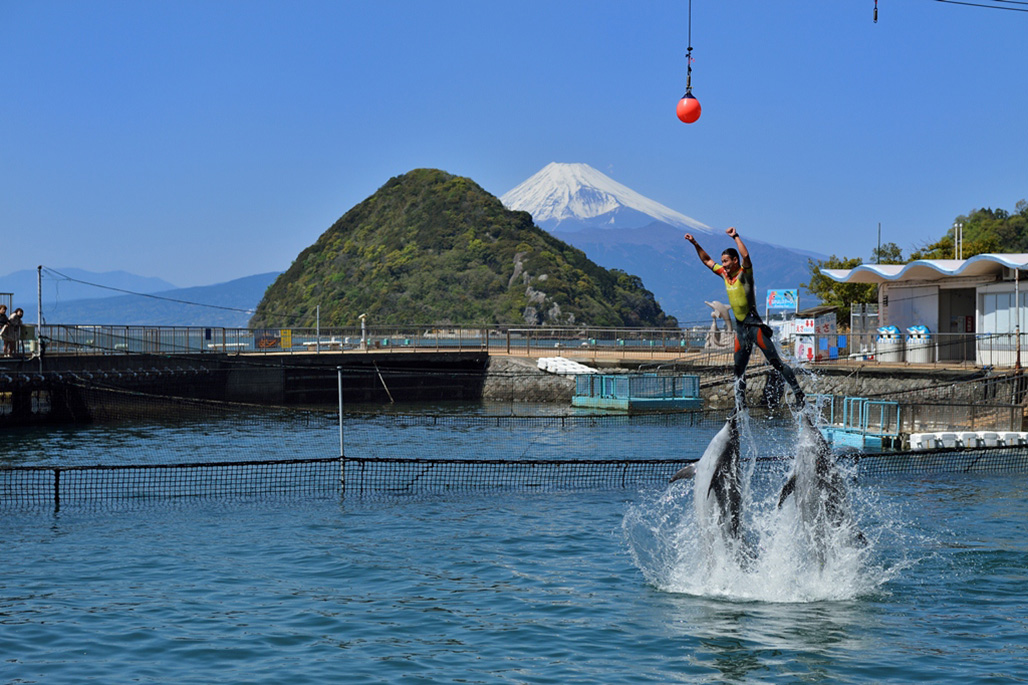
(517, 379)
(960, 386)
(904, 384)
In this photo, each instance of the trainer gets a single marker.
(749, 328)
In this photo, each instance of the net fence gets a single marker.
(384, 477)
(57, 487)
(54, 487)
(143, 447)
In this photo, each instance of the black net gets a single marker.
(375, 477)
(188, 448)
(980, 460)
(55, 487)
(366, 477)
(383, 477)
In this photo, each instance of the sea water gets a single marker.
(573, 587)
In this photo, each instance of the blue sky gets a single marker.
(204, 141)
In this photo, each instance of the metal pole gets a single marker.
(317, 328)
(39, 315)
(57, 490)
(339, 377)
(1017, 322)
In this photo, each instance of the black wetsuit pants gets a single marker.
(746, 336)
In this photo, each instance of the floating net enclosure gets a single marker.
(144, 447)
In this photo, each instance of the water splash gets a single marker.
(799, 551)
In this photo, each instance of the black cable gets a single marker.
(993, 7)
(688, 57)
(154, 297)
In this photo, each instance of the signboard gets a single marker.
(806, 348)
(286, 335)
(822, 325)
(783, 299)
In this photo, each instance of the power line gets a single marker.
(991, 7)
(274, 312)
(151, 296)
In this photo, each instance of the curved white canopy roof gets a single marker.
(929, 269)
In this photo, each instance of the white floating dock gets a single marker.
(966, 439)
(563, 367)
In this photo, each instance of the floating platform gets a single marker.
(874, 425)
(863, 441)
(637, 392)
(865, 424)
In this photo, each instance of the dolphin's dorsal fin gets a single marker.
(787, 489)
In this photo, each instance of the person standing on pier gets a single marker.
(11, 331)
(737, 271)
(4, 323)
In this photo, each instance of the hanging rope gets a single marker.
(688, 107)
(688, 57)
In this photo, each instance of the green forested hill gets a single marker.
(433, 248)
(984, 230)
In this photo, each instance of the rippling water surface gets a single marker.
(507, 587)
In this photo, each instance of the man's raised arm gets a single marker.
(744, 254)
(704, 257)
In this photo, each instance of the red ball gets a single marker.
(688, 109)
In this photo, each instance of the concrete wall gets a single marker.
(869, 381)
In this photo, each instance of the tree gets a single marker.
(833, 293)
(889, 253)
(983, 230)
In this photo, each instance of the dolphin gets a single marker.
(823, 498)
(725, 477)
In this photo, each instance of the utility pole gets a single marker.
(39, 315)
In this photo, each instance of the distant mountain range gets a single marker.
(616, 227)
(68, 283)
(621, 229)
(75, 296)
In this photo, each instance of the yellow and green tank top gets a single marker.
(741, 295)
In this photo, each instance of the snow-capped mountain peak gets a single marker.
(578, 196)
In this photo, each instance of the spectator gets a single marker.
(4, 321)
(11, 331)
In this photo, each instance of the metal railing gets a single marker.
(96, 339)
(649, 386)
(892, 418)
(662, 345)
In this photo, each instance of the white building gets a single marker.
(967, 304)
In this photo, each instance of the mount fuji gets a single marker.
(571, 197)
(620, 228)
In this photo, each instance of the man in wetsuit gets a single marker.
(749, 328)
